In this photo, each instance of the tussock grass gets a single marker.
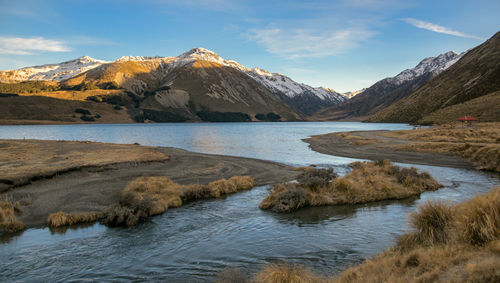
(478, 220)
(8, 220)
(285, 273)
(61, 219)
(149, 196)
(480, 144)
(459, 243)
(367, 182)
(447, 243)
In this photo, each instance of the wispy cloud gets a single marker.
(31, 45)
(438, 28)
(307, 43)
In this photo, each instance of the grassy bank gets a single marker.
(22, 161)
(446, 243)
(367, 182)
(480, 144)
(149, 196)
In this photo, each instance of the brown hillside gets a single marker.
(475, 75)
(38, 109)
(178, 92)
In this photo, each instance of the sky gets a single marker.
(343, 45)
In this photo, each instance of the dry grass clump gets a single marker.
(367, 182)
(8, 219)
(61, 219)
(148, 196)
(285, 273)
(286, 197)
(477, 221)
(315, 178)
(459, 243)
(449, 243)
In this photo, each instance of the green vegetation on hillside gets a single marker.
(271, 117)
(29, 87)
(159, 116)
(215, 116)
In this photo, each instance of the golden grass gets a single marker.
(22, 160)
(8, 220)
(61, 219)
(367, 182)
(148, 196)
(480, 145)
(74, 94)
(459, 243)
(285, 273)
(357, 140)
(448, 243)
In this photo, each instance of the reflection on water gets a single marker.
(194, 242)
(280, 142)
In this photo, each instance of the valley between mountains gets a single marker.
(199, 85)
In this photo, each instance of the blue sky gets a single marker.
(344, 45)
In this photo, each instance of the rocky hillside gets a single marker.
(389, 90)
(475, 75)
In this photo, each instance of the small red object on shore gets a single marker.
(467, 119)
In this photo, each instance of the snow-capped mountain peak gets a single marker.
(56, 72)
(428, 65)
(200, 54)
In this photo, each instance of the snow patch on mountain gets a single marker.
(275, 82)
(55, 72)
(351, 94)
(136, 58)
(429, 65)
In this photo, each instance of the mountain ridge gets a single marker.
(301, 97)
(473, 77)
(389, 90)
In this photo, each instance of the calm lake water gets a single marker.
(194, 242)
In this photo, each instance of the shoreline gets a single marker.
(370, 145)
(94, 188)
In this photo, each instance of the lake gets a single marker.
(194, 242)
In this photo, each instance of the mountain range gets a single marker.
(387, 91)
(196, 81)
(471, 86)
(199, 85)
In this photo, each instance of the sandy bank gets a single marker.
(94, 187)
(374, 146)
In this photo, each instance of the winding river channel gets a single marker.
(194, 242)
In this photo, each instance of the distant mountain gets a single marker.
(51, 72)
(467, 87)
(351, 94)
(389, 90)
(190, 86)
(301, 97)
